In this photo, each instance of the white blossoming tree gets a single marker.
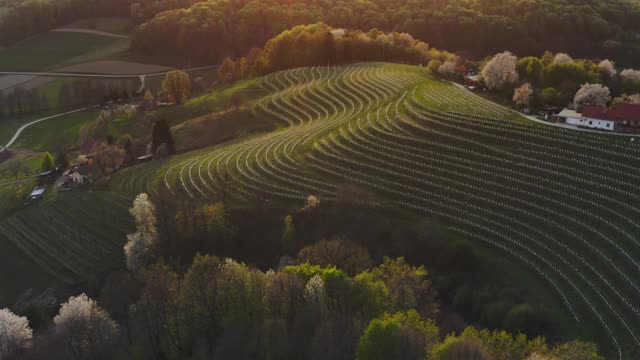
(15, 334)
(141, 244)
(592, 94)
(523, 95)
(630, 74)
(562, 58)
(607, 69)
(314, 292)
(448, 68)
(500, 71)
(85, 327)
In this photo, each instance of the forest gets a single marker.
(475, 28)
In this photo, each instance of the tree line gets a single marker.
(25, 18)
(209, 31)
(70, 94)
(555, 80)
(321, 45)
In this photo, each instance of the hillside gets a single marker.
(561, 202)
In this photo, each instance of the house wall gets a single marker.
(599, 124)
(592, 123)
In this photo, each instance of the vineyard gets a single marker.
(564, 203)
(68, 237)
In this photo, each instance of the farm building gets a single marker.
(472, 81)
(37, 193)
(621, 117)
(48, 176)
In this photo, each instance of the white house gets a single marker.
(622, 117)
(572, 117)
(77, 178)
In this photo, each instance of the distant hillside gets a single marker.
(209, 31)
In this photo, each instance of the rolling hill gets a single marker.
(561, 202)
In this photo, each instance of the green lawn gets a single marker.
(9, 125)
(46, 135)
(31, 165)
(54, 49)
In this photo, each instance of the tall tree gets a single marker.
(500, 71)
(140, 246)
(86, 329)
(48, 163)
(15, 334)
(178, 85)
(161, 134)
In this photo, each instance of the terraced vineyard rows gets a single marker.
(562, 202)
(69, 237)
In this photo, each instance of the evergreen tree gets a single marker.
(161, 134)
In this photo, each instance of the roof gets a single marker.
(569, 113)
(473, 77)
(620, 112)
(46, 173)
(37, 191)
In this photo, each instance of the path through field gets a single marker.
(89, 31)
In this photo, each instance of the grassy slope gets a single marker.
(46, 135)
(115, 25)
(9, 125)
(50, 50)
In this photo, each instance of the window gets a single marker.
(608, 125)
(590, 122)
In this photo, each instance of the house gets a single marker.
(37, 193)
(623, 117)
(48, 176)
(77, 178)
(472, 81)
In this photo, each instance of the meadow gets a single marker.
(50, 50)
(48, 135)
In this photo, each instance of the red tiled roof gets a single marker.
(620, 112)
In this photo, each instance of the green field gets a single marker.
(115, 25)
(47, 135)
(562, 204)
(9, 125)
(55, 49)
